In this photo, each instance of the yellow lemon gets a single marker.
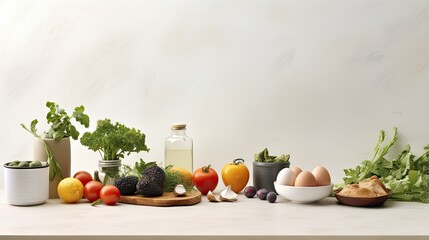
(186, 175)
(70, 190)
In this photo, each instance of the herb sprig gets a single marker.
(138, 168)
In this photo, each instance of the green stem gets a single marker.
(206, 168)
(95, 203)
(55, 168)
(101, 154)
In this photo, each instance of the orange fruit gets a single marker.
(186, 175)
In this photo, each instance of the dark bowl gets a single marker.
(362, 201)
(265, 174)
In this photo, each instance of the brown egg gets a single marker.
(305, 179)
(322, 176)
(296, 170)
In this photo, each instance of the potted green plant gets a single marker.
(113, 142)
(53, 146)
(266, 168)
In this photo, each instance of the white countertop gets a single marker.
(246, 218)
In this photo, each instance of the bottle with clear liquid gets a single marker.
(179, 148)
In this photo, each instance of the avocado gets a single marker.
(151, 183)
(127, 185)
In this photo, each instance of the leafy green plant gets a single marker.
(113, 141)
(264, 156)
(60, 121)
(138, 168)
(60, 127)
(404, 175)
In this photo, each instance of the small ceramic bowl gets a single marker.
(362, 202)
(303, 194)
(26, 185)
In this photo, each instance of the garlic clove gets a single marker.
(179, 190)
(228, 195)
(211, 197)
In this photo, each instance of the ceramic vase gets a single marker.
(61, 152)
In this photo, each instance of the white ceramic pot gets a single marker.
(27, 185)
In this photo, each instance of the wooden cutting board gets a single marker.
(167, 199)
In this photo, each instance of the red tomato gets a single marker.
(92, 189)
(205, 179)
(84, 177)
(110, 195)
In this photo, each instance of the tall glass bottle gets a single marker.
(179, 148)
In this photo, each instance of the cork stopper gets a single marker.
(178, 126)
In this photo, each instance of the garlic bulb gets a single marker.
(179, 190)
(228, 195)
(211, 197)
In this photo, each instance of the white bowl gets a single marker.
(303, 194)
(26, 186)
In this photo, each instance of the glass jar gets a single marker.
(109, 171)
(179, 148)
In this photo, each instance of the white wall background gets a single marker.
(316, 79)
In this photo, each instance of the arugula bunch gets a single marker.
(404, 175)
(113, 141)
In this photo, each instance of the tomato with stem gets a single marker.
(205, 179)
